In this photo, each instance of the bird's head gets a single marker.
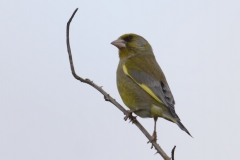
(131, 44)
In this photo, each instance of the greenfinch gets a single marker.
(142, 84)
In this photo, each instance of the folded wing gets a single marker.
(151, 79)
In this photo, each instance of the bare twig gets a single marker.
(107, 97)
(173, 152)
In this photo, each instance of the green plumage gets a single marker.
(141, 82)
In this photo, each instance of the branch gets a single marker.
(107, 97)
(173, 152)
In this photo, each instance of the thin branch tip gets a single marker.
(173, 150)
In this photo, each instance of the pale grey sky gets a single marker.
(46, 114)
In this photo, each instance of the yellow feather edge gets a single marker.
(148, 90)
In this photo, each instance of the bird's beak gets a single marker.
(119, 43)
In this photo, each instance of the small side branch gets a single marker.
(173, 152)
(107, 97)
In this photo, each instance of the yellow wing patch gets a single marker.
(146, 88)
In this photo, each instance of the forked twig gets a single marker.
(107, 97)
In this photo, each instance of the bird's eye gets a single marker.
(128, 38)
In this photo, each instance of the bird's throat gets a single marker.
(124, 53)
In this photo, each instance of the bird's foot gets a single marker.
(153, 139)
(130, 116)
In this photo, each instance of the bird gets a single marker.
(141, 82)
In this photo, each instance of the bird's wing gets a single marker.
(144, 70)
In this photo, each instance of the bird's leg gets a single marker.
(154, 135)
(130, 116)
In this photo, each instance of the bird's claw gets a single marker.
(130, 116)
(153, 139)
(132, 119)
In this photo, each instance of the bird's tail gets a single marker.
(182, 127)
